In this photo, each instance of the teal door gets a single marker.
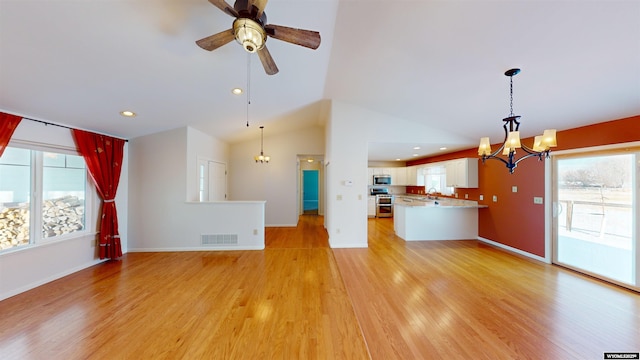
(310, 188)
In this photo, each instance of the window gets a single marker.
(42, 196)
(435, 180)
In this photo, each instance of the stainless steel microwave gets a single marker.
(381, 179)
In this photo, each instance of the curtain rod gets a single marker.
(63, 126)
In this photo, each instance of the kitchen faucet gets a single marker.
(430, 194)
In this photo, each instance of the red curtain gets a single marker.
(103, 156)
(8, 124)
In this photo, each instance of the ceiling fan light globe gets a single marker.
(249, 34)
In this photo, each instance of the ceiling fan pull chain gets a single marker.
(248, 85)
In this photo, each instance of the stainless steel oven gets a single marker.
(384, 205)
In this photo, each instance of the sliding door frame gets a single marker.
(551, 209)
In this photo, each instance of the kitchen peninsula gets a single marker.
(417, 219)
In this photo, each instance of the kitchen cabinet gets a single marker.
(462, 173)
(399, 176)
(371, 207)
(412, 221)
(414, 176)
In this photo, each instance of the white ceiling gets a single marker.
(435, 63)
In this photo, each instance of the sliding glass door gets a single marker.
(596, 214)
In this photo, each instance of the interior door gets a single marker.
(595, 227)
(310, 191)
(217, 181)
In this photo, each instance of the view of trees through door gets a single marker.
(595, 226)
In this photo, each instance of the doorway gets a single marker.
(595, 228)
(212, 180)
(310, 192)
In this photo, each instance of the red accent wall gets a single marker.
(514, 220)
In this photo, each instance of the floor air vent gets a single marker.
(219, 239)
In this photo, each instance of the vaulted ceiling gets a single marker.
(436, 63)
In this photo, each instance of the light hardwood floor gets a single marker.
(299, 299)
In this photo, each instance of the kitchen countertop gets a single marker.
(423, 201)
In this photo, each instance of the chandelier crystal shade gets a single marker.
(262, 158)
(542, 144)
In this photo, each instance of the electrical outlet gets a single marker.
(339, 197)
(495, 198)
(514, 189)
(338, 231)
(255, 231)
(466, 196)
(537, 200)
(481, 197)
(359, 196)
(456, 195)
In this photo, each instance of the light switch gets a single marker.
(339, 197)
(481, 197)
(495, 198)
(537, 200)
(514, 189)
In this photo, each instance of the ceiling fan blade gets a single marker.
(306, 38)
(259, 4)
(267, 61)
(222, 5)
(215, 41)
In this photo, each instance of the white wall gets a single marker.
(161, 218)
(201, 145)
(277, 181)
(27, 268)
(349, 131)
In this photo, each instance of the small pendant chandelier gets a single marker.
(542, 144)
(262, 158)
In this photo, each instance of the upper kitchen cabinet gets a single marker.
(462, 173)
(399, 176)
(414, 176)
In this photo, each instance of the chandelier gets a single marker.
(262, 158)
(542, 144)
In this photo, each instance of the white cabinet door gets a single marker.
(415, 177)
(462, 173)
(411, 175)
(400, 177)
(371, 206)
(370, 176)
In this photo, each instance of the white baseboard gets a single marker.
(349, 245)
(181, 249)
(48, 279)
(514, 250)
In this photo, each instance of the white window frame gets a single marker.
(35, 208)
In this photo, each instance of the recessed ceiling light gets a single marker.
(397, 159)
(443, 148)
(415, 154)
(127, 113)
(416, 148)
(237, 91)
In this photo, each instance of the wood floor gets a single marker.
(299, 299)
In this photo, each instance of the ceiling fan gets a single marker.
(250, 29)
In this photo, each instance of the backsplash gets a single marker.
(417, 190)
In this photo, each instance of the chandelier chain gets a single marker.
(511, 96)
